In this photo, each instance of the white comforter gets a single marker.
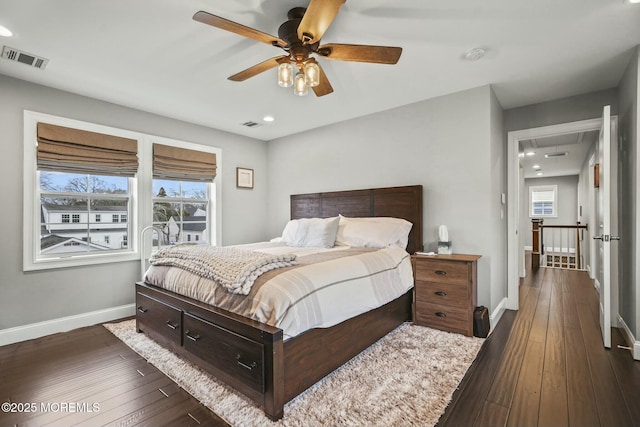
(328, 287)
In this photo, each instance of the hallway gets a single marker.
(545, 365)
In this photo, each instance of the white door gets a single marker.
(607, 271)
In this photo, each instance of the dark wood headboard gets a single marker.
(398, 202)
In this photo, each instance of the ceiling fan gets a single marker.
(300, 38)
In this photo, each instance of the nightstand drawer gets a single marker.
(442, 271)
(442, 293)
(446, 318)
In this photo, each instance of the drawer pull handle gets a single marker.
(244, 365)
(141, 309)
(193, 338)
(441, 314)
(441, 272)
(172, 325)
(441, 293)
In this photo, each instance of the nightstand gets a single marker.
(445, 291)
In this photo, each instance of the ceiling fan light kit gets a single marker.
(285, 74)
(300, 38)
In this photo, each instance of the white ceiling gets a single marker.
(576, 146)
(151, 55)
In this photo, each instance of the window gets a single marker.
(180, 210)
(543, 201)
(80, 194)
(77, 215)
(182, 181)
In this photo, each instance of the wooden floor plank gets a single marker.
(609, 400)
(580, 394)
(553, 401)
(465, 404)
(582, 384)
(86, 366)
(627, 372)
(504, 385)
(491, 415)
(526, 397)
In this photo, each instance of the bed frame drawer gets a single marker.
(225, 350)
(163, 319)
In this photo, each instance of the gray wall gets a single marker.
(567, 203)
(628, 188)
(565, 110)
(44, 295)
(452, 145)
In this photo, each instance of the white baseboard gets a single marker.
(497, 313)
(64, 324)
(630, 339)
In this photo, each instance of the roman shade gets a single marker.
(182, 164)
(63, 149)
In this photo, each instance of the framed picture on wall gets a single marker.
(244, 178)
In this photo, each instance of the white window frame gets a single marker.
(141, 210)
(539, 189)
(214, 213)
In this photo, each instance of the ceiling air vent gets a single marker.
(554, 155)
(24, 57)
(251, 124)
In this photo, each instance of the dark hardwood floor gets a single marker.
(542, 366)
(61, 377)
(545, 365)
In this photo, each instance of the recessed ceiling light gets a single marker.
(475, 54)
(530, 153)
(536, 167)
(5, 32)
(539, 174)
(268, 119)
(632, 1)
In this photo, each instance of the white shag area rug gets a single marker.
(407, 378)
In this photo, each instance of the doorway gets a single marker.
(515, 187)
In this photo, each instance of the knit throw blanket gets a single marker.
(235, 269)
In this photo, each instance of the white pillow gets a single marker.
(373, 232)
(311, 232)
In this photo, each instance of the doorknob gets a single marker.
(597, 237)
(615, 237)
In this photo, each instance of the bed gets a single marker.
(254, 357)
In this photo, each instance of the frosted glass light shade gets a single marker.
(285, 74)
(312, 74)
(300, 87)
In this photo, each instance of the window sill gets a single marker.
(80, 261)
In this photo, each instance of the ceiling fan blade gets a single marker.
(234, 27)
(324, 87)
(361, 53)
(258, 68)
(319, 15)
